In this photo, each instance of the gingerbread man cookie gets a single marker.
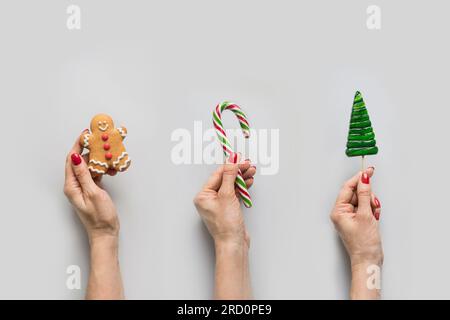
(105, 144)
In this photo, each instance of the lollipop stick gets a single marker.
(363, 164)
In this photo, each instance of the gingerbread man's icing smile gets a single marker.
(103, 125)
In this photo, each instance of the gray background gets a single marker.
(156, 66)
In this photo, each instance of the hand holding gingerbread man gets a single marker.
(105, 144)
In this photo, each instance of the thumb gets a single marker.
(230, 172)
(82, 173)
(364, 193)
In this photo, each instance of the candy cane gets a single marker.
(226, 146)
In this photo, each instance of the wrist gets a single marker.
(363, 266)
(104, 253)
(237, 238)
(231, 247)
(232, 277)
(366, 259)
(366, 280)
(371, 256)
(104, 276)
(106, 243)
(232, 242)
(104, 234)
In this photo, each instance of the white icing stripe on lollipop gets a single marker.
(96, 170)
(103, 164)
(123, 155)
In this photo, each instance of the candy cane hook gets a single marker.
(226, 146)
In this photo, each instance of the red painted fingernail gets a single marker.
(365, 178)
(76, 158)
(377, 215)
(377, 203)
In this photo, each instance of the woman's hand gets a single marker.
(99, 217)
(218, 202)
(355, 216)
(218, 205)
(92, 204)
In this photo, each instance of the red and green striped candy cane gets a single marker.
(226, 146)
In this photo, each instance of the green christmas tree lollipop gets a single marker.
(361, 138)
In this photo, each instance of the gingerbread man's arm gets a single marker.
(84, 139)
(122, 131)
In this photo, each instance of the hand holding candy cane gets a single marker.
(219, 207)
(226, 146)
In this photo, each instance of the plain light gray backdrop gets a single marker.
(156, 66)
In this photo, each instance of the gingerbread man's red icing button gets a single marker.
(105, 136)
(108, 156)
(106, 146)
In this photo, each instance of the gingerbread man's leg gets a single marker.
(122, 163)
(97, 168)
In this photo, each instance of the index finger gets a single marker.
(349, 188)
(215, 179)
(76, 148)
